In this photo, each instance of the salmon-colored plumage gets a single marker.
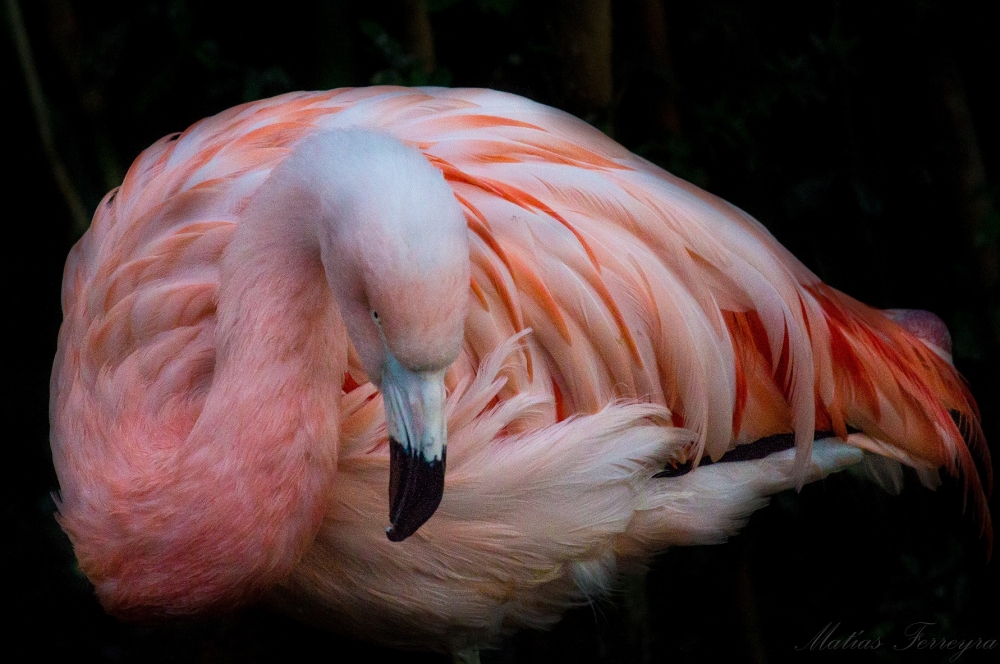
(620, 321)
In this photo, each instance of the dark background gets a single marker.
(863, 134)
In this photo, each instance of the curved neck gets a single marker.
(344, 220)
(248, 489)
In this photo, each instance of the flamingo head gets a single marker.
(397, 260)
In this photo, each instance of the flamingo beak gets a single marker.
(414, 408)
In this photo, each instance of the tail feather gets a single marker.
(892, 378)
(713, 502)
(886, 472)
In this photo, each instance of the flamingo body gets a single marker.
(620, 321)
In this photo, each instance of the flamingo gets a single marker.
(557, 357)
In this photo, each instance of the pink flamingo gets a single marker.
(585, 331)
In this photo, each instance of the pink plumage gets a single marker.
(619, 321)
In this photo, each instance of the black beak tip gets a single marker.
(415, 489)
